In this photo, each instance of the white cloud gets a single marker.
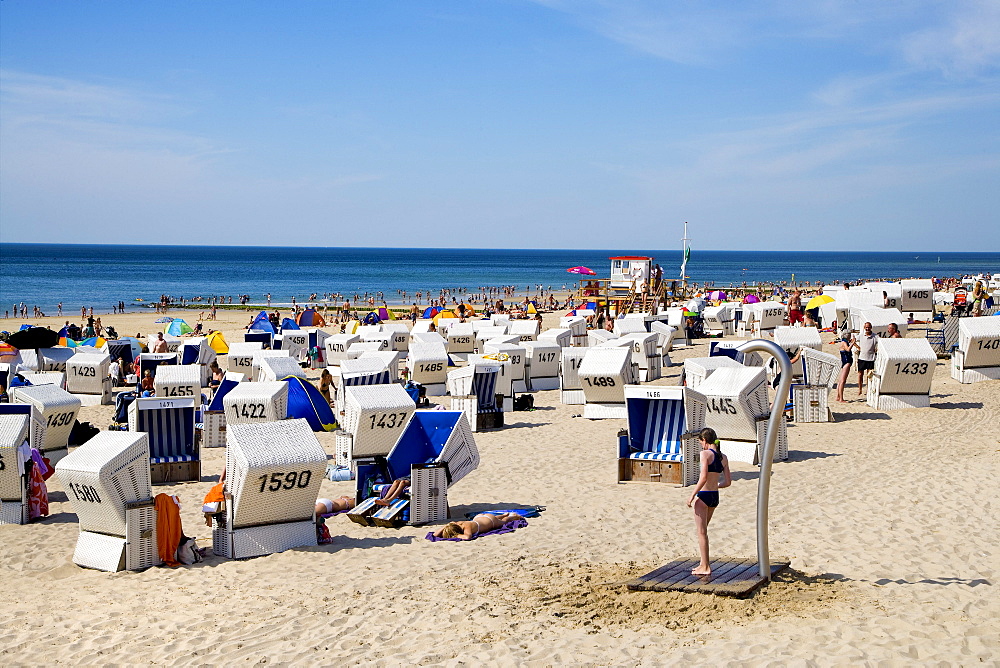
(966, 43)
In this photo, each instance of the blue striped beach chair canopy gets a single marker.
(656, 424)
(170, 425)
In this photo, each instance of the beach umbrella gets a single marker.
(36, 337)
(582, 270)
(164, 319)
(717, 295)
(430, 312)
(95, 341)
(751, 299)
(695, 305)
(7, 352)
(818, 301)
(67, 342)
(178, 327)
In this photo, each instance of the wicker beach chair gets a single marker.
(604, 373)
(258, 357)
(542, 365)
(54, 359)
(273, 475)
(729, 349)
(767, 317)
(255, 403)
(436, 450)
(917, 298)
(570, 386)
(296, 343)
(390, 359)
(977, 357)
(197, 350)
(213, 415)
(517, 355)
(336, 347)
(698, 369)
(811, 397)
(737, 407)
(263, 337)
(664, 335)
(276, 368)
(880, 318)
(525, 330)
(793, 339)
(57, 378)
(88, 375)
(400, 335)
(152, 362)
(560, 336)
(578, 326)
(57, 412)
(372, 420)
(646, 353)
(14, 453)
(903, 372)
(107, 481)
(488, 333)
(473, 391)
(174, 452)
(718, 320)
(461, 338)
(239, 359)
(660, 443)
(179, 380)
(596, 337)
(428, 365)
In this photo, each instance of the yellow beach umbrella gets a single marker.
(818, 301)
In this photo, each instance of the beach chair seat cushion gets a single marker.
(173, 459)
(659, 456)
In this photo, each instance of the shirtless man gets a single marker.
(481, 523)
(159, 345)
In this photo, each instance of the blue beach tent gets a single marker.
(289, 324)
(305, 401)
(262, 324)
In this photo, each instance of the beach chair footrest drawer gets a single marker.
(650, 470)
(175, 472)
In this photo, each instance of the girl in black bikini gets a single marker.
(705, 496)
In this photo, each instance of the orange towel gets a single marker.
(168, 529)
(215, 495)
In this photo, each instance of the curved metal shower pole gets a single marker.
(766, 457)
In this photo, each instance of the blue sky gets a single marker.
(767, 125)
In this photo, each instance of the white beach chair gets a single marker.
(358, 372)
(525, 330)
(500, 319)
(631, 323)
(428, 365)
(718, 320)
(578, 326)
(542, 365)
(596, 337)
(277, 368)
(661, 441)
(336, 347)
(173, 342)
(570, 386)
(57, 378)
(179, 380)
(977, 357)
(436, 450)
(560, 336)
(473, 391)
(400, 334)
(174, 451)
(484, 334)
(665, 335)
(646, 354)
(767, 317)
(729, 349)
(880, 318)
(918, 298)
(356, 350)
(903, 372)
(461, 338)
(316, 339)
(107, 481)
(88, 375)
(57, 412)
(152, 362)
(389, 359)
(793, 339)
(14, 454)
(54, 359)
(296, 343)
(239, 359)
(373, 418)
(273, 475)
(258, 357)
(698, 369)
(254, 403)
(737, 408)
(604, 373)
(811, 398)
(197, 350)
(516, 354)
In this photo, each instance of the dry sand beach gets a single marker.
(890, 522)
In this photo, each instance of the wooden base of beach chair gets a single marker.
(363, 511)
(391, 516)
(650, 470)
(13, 512)
(594, 411)
(175, 472)
(213, 430)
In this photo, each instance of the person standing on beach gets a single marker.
(795, 308)
(705, 496)
(159, 345)
(846, 361)
(867, 346)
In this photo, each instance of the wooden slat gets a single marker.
(662, 574)
(730, 577)
(720, 567)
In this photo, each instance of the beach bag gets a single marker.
(188, 552)
(525, 402)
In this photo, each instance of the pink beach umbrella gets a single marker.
(717, 295)
(751, 299)
(582, 270)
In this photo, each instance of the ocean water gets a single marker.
(100, 275)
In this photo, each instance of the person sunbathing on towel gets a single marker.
(398, 487)
(328, 506)
(481, 523)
